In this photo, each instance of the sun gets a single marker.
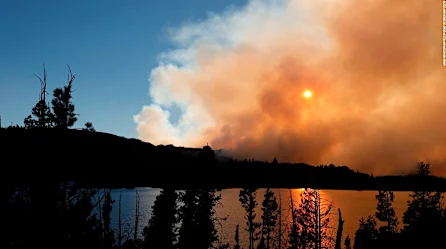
(307, 94)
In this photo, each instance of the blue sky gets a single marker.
(110, 45)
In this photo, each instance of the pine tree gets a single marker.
(424, 217)
(189, 199)
(205, 218)
(161, 231)
(198, 218)
(269, 218)
(385, 212)
(63, 108)
(247, 198)
(366, 233)
(41, 116)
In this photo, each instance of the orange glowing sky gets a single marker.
(374, 69)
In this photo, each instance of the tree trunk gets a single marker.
(280, 222)
(339, 232)
(119, 221)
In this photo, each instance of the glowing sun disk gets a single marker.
(308, 94)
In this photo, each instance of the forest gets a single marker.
(52, 214)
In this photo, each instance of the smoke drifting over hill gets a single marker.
(374, 68)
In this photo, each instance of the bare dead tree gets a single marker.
(98, 202)
(311, 221)
(135, 235)
(70, 77)
(43, 91)
(119, 220)
(280, 233)
(63, 107)
(339, 231)
(293, 234)
(41, 111)
(100, 213)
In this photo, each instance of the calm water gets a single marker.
(353, 205)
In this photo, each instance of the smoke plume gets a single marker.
(374, 68)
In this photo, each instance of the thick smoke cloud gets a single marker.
(374, 67)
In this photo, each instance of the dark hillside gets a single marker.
(77, 154)
(105, 160)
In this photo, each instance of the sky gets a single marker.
(110, 45)
(234, 77)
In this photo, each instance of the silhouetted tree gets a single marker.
(63, 108)
(41, 116)
(247, 198)
(424, 218)
(49, 213)
(14, 127)
(89, 127)
(237, 238)
(198, 218)
(385, 212)
(366, 233)
(136, 223)
(275, 161)
(347, 243)
(108, 233)
(133, 242)
(81, 227)
(293, 234)
(189, 199)
(339, 231)
(120, 220)
(207, 199)
(57, 219)
(313, 221)
(423, 169)
(161, 231)
(269, 218)
(279, 230)
(207, 156)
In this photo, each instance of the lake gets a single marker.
(353, 205)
